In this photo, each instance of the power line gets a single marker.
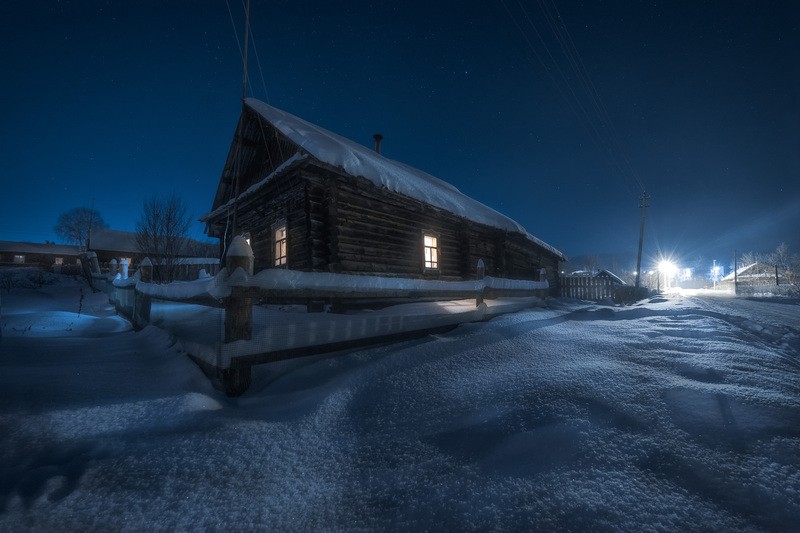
(591, 89)
(593, 114)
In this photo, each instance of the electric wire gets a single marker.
(581, 96)
(570, 103)
(250, 86)
(580, 67)
(596, 128)
(571, 100)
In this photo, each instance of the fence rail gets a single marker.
(747, 289)
(237, 290)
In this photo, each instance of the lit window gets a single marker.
(19, 259)
(280, 246)
(431, 251)
(59, 260)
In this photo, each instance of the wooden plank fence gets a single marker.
(234, 378)
(595, 288)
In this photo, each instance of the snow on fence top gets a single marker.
(240, 248)
(280, 279)
(358, 160)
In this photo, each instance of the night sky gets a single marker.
(696, 102)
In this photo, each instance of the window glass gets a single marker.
(280, 246)
(431, 244)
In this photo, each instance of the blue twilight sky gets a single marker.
(557, 114)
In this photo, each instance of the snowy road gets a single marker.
(774, 311)
(681, 413)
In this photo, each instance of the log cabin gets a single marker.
(311, 200)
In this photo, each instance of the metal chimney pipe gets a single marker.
(378, 138)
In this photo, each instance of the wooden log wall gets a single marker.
(280, 200)
(357, 227)
(340, 223)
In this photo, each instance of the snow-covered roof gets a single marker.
(358, 160)
(38, 248)
(107, 239)
(749, 271)
(609, 274)
(111, 240)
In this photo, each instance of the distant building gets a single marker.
(38, 255)
(607, 274)
(113, 244)
(754, 274)
(118, 245)
(311, 200)
(108, 244)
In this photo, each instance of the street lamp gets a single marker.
(668, 268)
(716, 272)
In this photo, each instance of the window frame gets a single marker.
(434, 263)
(280, 261)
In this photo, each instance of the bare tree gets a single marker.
(748, 258)
(591, 263)
(782, 260)
(161, 234)
(76, 225)
(780, 256)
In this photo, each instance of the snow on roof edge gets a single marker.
(295, 159)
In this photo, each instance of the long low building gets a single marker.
(38, 255)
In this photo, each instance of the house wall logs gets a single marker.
(341, 223)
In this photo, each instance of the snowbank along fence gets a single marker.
(236, 289)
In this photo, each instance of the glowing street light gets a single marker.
(669, 269)
(716, 273)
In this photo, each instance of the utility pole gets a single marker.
(642, 206)
(735, 273)
(240, 133)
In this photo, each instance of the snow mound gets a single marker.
(673, 415)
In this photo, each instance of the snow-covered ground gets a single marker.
(681, 413)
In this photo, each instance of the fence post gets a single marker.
(146, 268)
(142, 302)
(94, 266)
(239, 307)
(238, 316)
(480, 270)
